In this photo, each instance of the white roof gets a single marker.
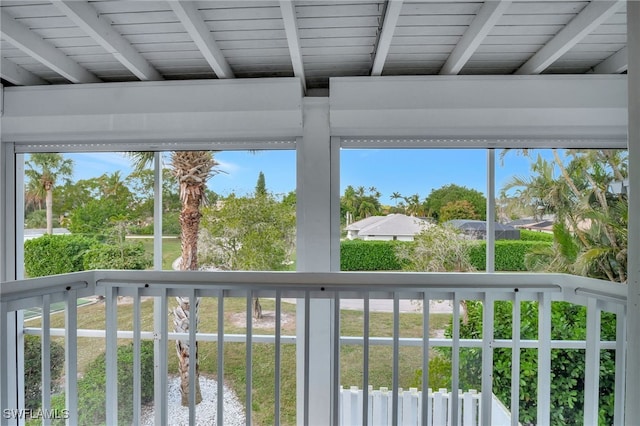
(393, 224)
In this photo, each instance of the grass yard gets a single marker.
(92, 317)
(170, 250)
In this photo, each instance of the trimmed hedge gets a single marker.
(33, 369)
(359, 255)
(92, 386)
(528, 235)
(55, 254)
(509, 254)
(127, 256)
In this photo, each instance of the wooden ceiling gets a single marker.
(62, 42)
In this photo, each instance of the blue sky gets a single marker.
(389, 170)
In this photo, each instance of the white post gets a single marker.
(159, 306)
(491, 211)
(9, 323)
(632, 407)
(313, 250)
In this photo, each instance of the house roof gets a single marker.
(478, 225)
(393, 224)
(59, 42)
(38, 232)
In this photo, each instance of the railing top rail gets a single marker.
(572, 287)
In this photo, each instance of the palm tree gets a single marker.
(396, 196)
(192, 169)
(44, 170)
(590, 232)
(414, 206)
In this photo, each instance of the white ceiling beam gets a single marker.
(288, 10)
(483, 110)
(482, 24)
(229, 112)
(34, 46)
(614, 64)
(88, 19)
(594, 14)
(391, 15)
(17, 75)
(192, 21)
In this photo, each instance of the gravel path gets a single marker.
(205, 411)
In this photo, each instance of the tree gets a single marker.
(192, 170)
(396, 196)
(359, 203)
(438, 198)
(436, 249)
(461, 209)
(251, 234)
(261, 186)
(590, 218)
(106, 198)
(414, 207)
(44, 170)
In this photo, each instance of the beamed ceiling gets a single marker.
(62, 42)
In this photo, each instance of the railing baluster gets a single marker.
(455, 358)
(8, 393)
(396, 358)
(337, 399)
(621, 346)
(220, 401)
(193, 328)
(425, 357)
(544, 359)
(111, 312)
(365, 362)
(137, 383)
(515, 360)
(45, 342)
(486, 399)
(71, 356)
(307, 322)
(592, 364)
(160, 348)
(278, 325)
(248, 358)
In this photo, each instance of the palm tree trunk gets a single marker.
(190, 224)
(49, 205)
(181, 321)
(257, 309)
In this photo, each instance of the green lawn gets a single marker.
(92, 317)
(170, 250)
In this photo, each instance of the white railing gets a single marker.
(410, 406)
(596, 295)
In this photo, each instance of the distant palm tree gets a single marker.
(396, 196)
(414, 206)
(44, 170)
(192, 170)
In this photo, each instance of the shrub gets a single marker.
(568, 322)
(359, 255)
(33, 369)
(55, 254)
(509, 254)
(119, 256)
(92, 386)
(528, 235)
(171, 223)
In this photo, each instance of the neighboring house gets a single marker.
(545, 224)
(30, 234)
(384, 228)
(477, 229)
